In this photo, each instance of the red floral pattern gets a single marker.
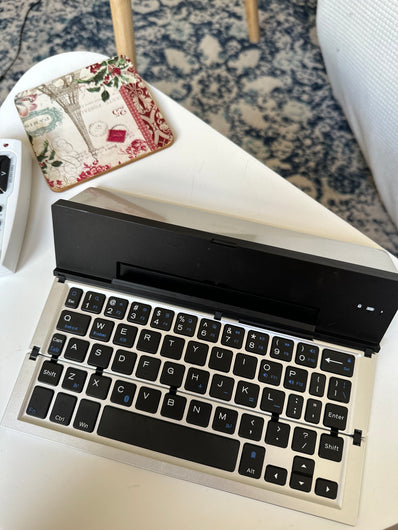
(26, 104)
(71, 151)
(91, 170)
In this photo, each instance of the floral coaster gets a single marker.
(91, 121)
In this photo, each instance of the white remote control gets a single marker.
(15, 184)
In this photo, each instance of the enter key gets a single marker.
(335, 416)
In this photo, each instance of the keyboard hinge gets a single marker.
(357, 437)
(34, 353)
(218, 315)
(61, 278)
(369, 352)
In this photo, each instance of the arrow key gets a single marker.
(326, 488)
(300, 482)
(276, 475)
(303, 466)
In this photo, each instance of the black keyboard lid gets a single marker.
(267, 276)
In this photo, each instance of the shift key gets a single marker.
(337, 362)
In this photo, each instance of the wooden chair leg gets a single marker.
(122, 19)
(252, 20)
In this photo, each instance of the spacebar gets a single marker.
(169, 438)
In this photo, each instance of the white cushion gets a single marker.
(359, 44)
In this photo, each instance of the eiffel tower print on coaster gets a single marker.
(91, 121)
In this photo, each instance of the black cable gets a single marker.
(32, 6)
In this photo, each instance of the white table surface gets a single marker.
(46, 486)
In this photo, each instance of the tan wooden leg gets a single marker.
(252, 20)
(122, 19)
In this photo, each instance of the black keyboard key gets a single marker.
(125, 335)
(331, 447)
(148, 400)
(124, 362)
(197, 380)
(317, 385)
(295, 379)
(304, 441)
(281, 349)
(294, 406)
(63, 409)
(98, 386)
(232, 336)
(209, 330)
(148, 341)
(116, 307)
(245, 366)
(56, 345)
(225, 420)
(93, 302)
(335, 416)
(162, 318)
(172, 347)
(247, 394)
(338, 363)
(76, 350)
(221, 387)
(257, 342)
(185, 324)
(50, 373)
(169, 438)
(277, 433)
(173, 406)
(72, 322)
(39, 402)
(270, 373)
(148, 368)
(73, 298)
(123, 393)
(303, 466)
(326, 488)
(86, 415)
(199, 413)
(251, 461)
(196, 353)
(74, 380)
(313, 411)
(275, 475)
(139, 313)
(220, 359)
(172, 374)
(300, 482)
(307, 355)
(251, 427)
(339, 389)
(272, 400)
(101, 329)
(100, 356)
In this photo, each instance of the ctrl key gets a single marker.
(39, 402)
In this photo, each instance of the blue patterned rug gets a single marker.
(273, 99)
